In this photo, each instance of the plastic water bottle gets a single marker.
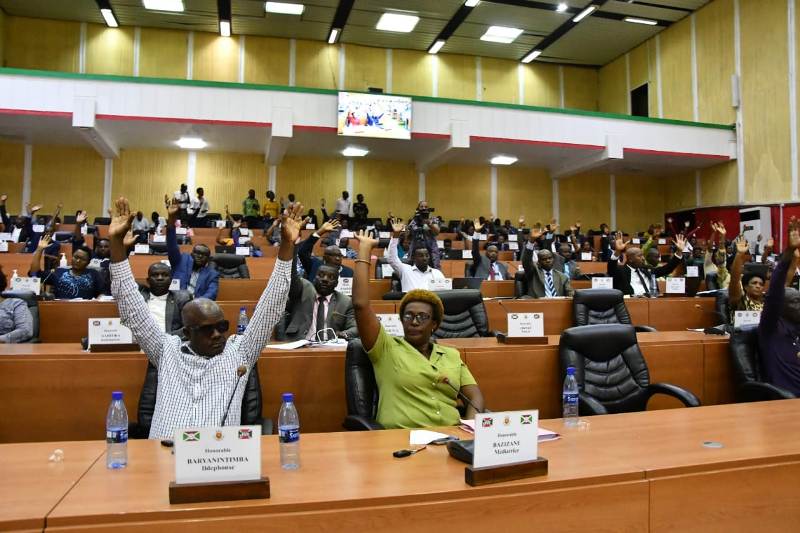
(63, 262)
(241, 325)
(289, 433)
(117, 433)
(653, 289)
(570, 398)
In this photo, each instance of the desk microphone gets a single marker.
(721, 329)
(461, 395)
(241, 371)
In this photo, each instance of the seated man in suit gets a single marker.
(164, 305)
(315, 307)
(193, 270)
(543, 280)
(331, 255)
(485, 266)
(635, 278)
(565, 263)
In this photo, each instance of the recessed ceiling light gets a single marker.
(284, 8)
(635, 20)
(163, 5)
(435, 47)
(397, 22)
(472, 3)
(108, 15)
(225, 28)
(353, 151)
(562, 6)
(333, 35)
(501, 34)
(503, 160)
(530, 57)
(191, 143)
(585, 13)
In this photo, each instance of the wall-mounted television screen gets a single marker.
(374, 115)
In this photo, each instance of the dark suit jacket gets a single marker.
(559, 262)
(481, 264)
(622, 274)
(301, 308)
(175, 302)
(182, 265)
(311, 263)
(535, 278)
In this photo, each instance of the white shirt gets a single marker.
(312, 329)
(343, 206)
(410, 276)
(200, 206)
(636, 283)
(158, 308)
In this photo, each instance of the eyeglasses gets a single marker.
(208, 330)
(419, 317)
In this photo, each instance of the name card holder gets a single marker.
(524, 328)
(504, 338)
(111, 348)
(486, 475)
(218, 491)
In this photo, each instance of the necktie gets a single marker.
(641, 278)
(321, 317)
(550, 289)
(491, 271)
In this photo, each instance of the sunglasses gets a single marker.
(208, 330)
(419, 317)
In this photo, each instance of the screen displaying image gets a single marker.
(374, 115)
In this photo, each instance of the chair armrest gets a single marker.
(644, 329)
(588, 405)
(688, 399)
(360, 423)
(757, 391)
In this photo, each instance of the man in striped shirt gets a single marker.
(196, 378)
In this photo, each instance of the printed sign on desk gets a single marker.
(676, 285)
(586, 256)
(219, 223)
(514, 246)
(108, 331)
(391, 323)
(38, 228)
(602, 283)
(445, 284)
(159, 238)
(662, 241)
(180, 231)
(243, 250)
(512, 237)
(33, 285)
(3, 246)
(525, 324)
(311, 226)
(230, 453)
(746, 318)
(466, 254)
(386, 270)
(482, 237)
(384, 234)
(692, 272)
(345, 286)
(175, 285)
(636, 240)
(6, 237)
(244, 231)
(141, 249)
(505, 437)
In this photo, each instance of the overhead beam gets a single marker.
(279, 136)
(340, 19)
(613, 151)
(85, 123)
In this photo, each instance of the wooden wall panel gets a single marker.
(457, 191)
(12, 165)
(386, 186)
(524, 191)
(542, 85)
(2, 38)
(317, 64)
(266, 60)
(365, 67)
(311, 179)
(109, 50)
(72, 175)
(640, 66)
(499, 80)
(613, 92)
(411, 72)
(42, 44)
(216, 58)
(679, 192)
(226, 177)
(581, 88)
(457, 76)
(162, 53)
(145, 176)
(653, 96)
(765, 96)
(585, 197)
(676, 70)
(719, 184)
(639, 203)
(715, 62)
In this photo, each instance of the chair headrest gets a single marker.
(228, 260)
(599, 341)
(458, 301)
(596, 299)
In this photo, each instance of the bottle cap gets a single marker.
(116, 395)
(288, 397)
(570, 370)
(242, 309)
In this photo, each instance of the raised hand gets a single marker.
(227, 212)
(478, 225)
(130, 240)
(365, 243)
(741, 245)
(35, 208)
(291, 222)
(398, 227)
(3, 198)
(536, 232)
(680, 242)
(770, 243)
(166, 200)
(44, 242)
(328, 226)
(619, 243)
(237, 223)
(794, 233)
(121, 222)
(81, 218)
(578, 224)
(172, 210)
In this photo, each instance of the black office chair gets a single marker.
(602, 306)
(31, 301)
(611, 371)
(750, 386)
(721, 306)
(361, 390)
(251, 404)
(158, 248)
(520, 285)
(102, 221)
(464, 315)
(231, 266)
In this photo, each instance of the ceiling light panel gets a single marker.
(501, 34)
(397, 22)
(284, 8)
(164, 5)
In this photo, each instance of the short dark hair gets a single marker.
(84, 249)
(749, 276)
(425, 296)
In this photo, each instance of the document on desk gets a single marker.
(544, 434)
(423, 436)
(290, 345)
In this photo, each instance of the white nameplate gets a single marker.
(345, 286)
(692, 272)
(586, 256)
(244, 231)
(38, 228)
(386, 271)
(505, 437)
(440, 244)
(384, 234)
(108, 331)
(343, 251)
(311, 226)
(6, 237)
(636, 241)
(243, 250)
(243, 240)
(33, 285)
(602, 283)
(662, 241)
(84, 229)
(175, 285)
(758, 259)
(180, 231)
(159, 238)
(445, 284)
(219, 223)
(746, 318)
(512, 237)
(525, 324)
(466, 254)
(3, 246)
(482, 237)
(230, 453)
(676, 285)
(513, 245)
(392, 324)
(141, 249)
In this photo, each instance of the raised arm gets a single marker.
(675, 260)
(4, 213)
(773, 301)
(369, 327)
(392, 256)
(173, 252)
(735, 286)
(77, 237)
(36, 260)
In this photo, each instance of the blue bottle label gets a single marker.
(289, 435)
(570, 399)
(116, 436)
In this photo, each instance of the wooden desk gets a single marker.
(30, 485)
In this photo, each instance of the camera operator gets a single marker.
(423, 230)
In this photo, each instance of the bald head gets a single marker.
(332, 256)
(205, 326)
(196, 312)
(634, 257)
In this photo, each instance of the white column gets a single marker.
(26, 178)
(521, 83)
(493, 188)
(389, 70)
(108, 183)
(191, 171)
(695, 98)
(793, 96)
(190, 55)
(612, 190)
(658, 77)
(242, 44)
(82, 49)
(698, 188)
(556, 207)
(137, 47)
(342, 59)
(737, 49)
(561, 91)
(292, 62)
(421, 194)
(478, 79)
(272, 184)
(348, 182)
(435, 75)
